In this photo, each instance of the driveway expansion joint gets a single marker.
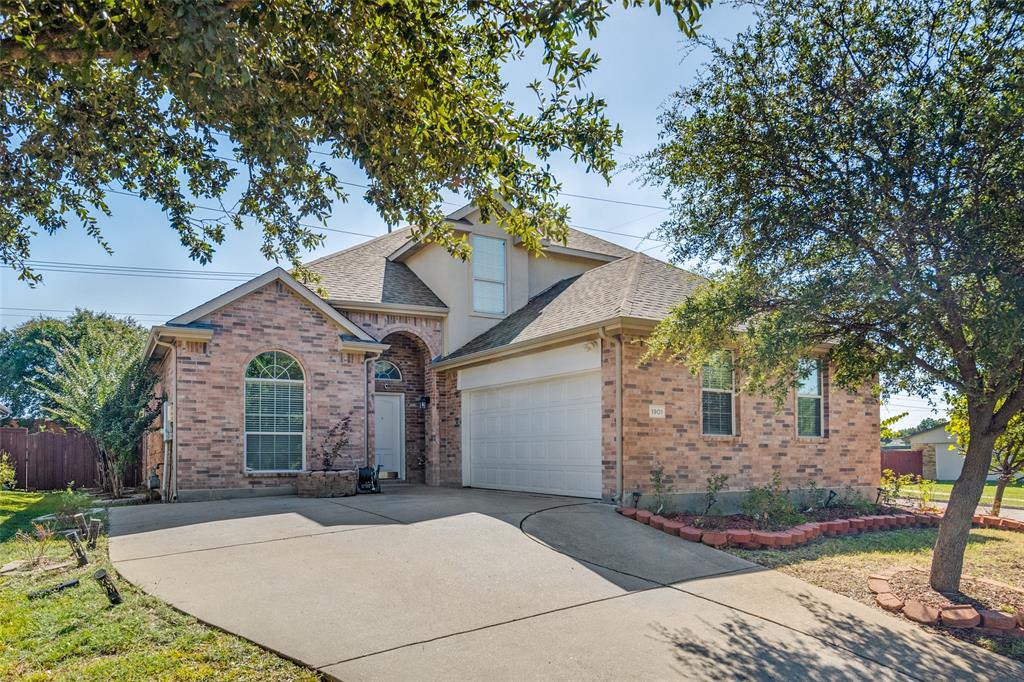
(674, 586)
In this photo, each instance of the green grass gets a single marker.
(843, 564)
(1012, 496)
(78, 635)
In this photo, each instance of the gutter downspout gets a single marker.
(366, 406)
(169, 489)
(617, 345)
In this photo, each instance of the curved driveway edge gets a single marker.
(429, 583)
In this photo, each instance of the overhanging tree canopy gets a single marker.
(858, 170)
(170, 99)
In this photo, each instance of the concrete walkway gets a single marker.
(437, 584)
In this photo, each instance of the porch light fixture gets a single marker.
(424, 402)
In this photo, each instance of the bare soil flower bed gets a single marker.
(979, 593)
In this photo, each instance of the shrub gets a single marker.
(7, 472)
(661, 489)
(813, 496)
(334, 442)
(927, 488)
(36, 543)
(714, 486)
(69, 503)
(853, 498)
(892, 485)
(770, 507)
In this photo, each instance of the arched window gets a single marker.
(275, 413)
(385, 370)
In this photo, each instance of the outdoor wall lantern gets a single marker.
(424, 402)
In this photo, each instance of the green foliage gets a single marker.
(1008, 452)
(102, 387)
(812, 496)
(885, 427)
(125, 416)
(926, 490)
(892, 485)
(662, 489)
(715, 484)
(178, 102)
(770, 506)
(69, 503)
(852, 170)
(849, 497)
(8, 476)
(26, 353)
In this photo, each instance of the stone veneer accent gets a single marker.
(210, 406)
(765, 442)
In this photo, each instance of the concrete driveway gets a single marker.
(438, 584)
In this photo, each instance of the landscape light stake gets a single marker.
(50, 590)
(76, 547)
(103, 578)
(94, 532)
(83, 527)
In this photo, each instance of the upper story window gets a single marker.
(488, 275)
(809, 407)
(385, 370)
(275, 413)
(717, 391)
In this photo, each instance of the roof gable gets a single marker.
(277, 274)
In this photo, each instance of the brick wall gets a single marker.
(210, 405)
(766, 439)
(410, 356)
(446, 466)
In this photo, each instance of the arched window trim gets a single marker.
(251, 393)
(377, 376)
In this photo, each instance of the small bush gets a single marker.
(7, 472)
(70, 503)
(661, 489)
(927, 489)
(714, 486)
(892, 486)
(770, 507)
(853, 498)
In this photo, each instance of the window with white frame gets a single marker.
(717, 391)
(275, 413)
(809, 408)
(488, 275)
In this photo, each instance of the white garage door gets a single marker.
(539, 436)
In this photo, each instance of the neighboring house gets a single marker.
(507, 371)
(941, 457)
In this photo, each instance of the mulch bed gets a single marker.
(745, 522)
(979, 593)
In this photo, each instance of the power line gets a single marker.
(105, 266)
(66, 310)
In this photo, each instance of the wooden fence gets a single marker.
(52, 460)
(903, 461)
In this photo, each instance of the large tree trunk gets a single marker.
(997, 502)
(948, 558)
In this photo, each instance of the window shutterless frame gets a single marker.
(712, 384)
(489, 274)
(811, 388)
(272, 370)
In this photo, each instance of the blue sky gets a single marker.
(644, 60)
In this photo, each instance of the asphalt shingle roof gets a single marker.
(364, 274)
(638, 286)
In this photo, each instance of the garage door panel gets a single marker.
(541, 436)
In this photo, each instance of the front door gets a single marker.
(389, 431)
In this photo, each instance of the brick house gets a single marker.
(507, 371)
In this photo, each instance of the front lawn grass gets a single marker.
(843, 564)
(78, 635)
(1012, 496)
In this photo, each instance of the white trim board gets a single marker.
(546, 363)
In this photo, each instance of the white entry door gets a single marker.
(389, 431)
(541, 436)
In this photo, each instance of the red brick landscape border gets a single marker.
(806, 532)
(994, 623)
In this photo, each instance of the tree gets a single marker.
(26, 352)
(1007, 453)
(854, 171)
(179, 101)
(885, 429)
(100, 387)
